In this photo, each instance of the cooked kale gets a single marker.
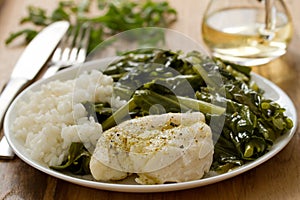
(249, 126)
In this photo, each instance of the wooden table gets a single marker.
(278, 178)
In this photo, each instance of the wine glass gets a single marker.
(247, 32)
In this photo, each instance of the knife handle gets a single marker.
(8, 94)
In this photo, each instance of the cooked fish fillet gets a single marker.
(173, 147)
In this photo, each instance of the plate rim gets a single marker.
(88, 66)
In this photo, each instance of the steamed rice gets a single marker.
(53, 117)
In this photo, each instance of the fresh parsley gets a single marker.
(111, 17)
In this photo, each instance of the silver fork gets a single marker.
(71, 50)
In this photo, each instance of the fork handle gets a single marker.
(51, 71)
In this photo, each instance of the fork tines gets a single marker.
(81, 41)
(71, 50)
(74, 45)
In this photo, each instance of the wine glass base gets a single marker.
(244, 61)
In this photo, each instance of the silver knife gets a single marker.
(30, 63)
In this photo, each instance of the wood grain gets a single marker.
(278, 178)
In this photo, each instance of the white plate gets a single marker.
(272, 91)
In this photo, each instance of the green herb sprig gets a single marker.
(110, 18)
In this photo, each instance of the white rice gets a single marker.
(53, 117)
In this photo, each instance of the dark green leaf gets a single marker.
(78, 160)
(27, 33)
(59, 14)
(36, 15)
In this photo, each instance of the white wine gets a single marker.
(239, 35)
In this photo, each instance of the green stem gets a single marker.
(202, 106)
(118, 115)
(203, 73)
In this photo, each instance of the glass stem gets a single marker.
(270, 15)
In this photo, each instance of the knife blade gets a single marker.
(31, 62)
(26, 69)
